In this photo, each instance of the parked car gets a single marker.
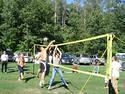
(10, 55)
(121, 57)
(67, 59)
(95, 58)
(84, 59)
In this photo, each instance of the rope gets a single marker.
(83, 40)
(119, 39)
(84, 72)
(90, 75)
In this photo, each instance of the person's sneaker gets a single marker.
(66, 85)
(23, 78)
(41, 84)
(19, 79)
(106, 87)
(49, 88)
(37, 76)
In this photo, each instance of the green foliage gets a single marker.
(26, 22)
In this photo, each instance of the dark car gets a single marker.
(10, 56)
(67, 59)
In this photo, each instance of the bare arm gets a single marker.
(38, 56)
(54, 51)
(18, 62)
(50, 44)
(59, 53)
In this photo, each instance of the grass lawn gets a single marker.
(9, 83)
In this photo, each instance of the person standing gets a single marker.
(21, 64)
(50, 53)
(56, 61)
(115, 73)
(96, 66)
(43, 58)
(74, 67)
(4, 60)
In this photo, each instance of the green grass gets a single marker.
(9, 83)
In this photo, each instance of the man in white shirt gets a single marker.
(4, 60)
(115, 73)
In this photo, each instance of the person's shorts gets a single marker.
(20, 69)
(115, 74)
(42, 66)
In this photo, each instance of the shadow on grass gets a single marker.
(29, 78)
(66, 87)
(73, 85)
(26, 69)
(11, 70)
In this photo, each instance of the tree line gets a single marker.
(24, 23)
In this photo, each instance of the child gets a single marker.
(96, 66)
(75, 67)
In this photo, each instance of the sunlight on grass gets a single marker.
(9, 83)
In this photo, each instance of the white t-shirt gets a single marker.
(4, 57)
(115, 69)
(56, 61)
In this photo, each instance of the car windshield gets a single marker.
(84, 56)
(65, 55)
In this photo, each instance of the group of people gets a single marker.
(20, 63)
(54, 59)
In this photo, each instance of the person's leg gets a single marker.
(62, 78)
(47, 69)
(42, 79)
(6, 66)
(21, 73)
(52, 78)
(19, 70)
(115, 82)
(2, 67)
(43, 71)
(97, 69)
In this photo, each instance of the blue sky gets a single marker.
(69, 1)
